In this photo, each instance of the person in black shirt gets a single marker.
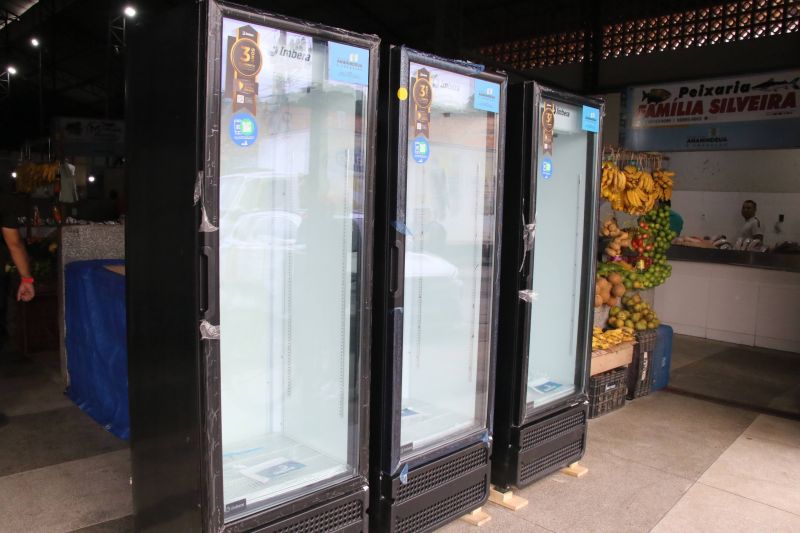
(19, 255)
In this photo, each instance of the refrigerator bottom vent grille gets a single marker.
(530, 470)
(455, 505)
(550, 430)
(329, 520)
(442, 474)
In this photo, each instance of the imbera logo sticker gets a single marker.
(348, 64)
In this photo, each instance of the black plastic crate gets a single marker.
(640, 371)
(607, 391)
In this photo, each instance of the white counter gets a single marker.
(744, 305)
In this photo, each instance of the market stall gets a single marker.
(635, 233)
(79, 308)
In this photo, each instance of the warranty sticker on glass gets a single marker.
(267, 471)
(548, 386)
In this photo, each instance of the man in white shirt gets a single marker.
(751, 229)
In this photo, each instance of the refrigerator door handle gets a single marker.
(396, 255)
(208, 282)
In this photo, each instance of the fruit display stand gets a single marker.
(634, 237)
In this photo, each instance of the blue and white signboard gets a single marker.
(348, 64)
(487, 96)
(738, 113)
(590, 119)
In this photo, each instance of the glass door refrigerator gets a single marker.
(437, 233)
(249, 243)
(549, 241)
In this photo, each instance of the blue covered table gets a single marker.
(97, 356)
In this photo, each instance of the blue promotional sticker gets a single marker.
(348, 64)
(591, 119)
(547, 168)
(422, 149)
(487, 96)
(243, 129)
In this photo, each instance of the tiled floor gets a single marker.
(665, 462)
(670, 463)
(59, 470)
(746, 376)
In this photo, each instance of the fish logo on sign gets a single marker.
(655, 96)
(771, 85)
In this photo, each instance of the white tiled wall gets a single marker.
(737, 170)
(710, 213)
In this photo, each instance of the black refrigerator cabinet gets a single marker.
(546, 301)
(250, 160)
(437, 272)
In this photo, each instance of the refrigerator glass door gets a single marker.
(291, 222)
(450, 190)
(557, 257)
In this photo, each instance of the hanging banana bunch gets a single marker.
(31, 176)
(632, 189)
(663, 181)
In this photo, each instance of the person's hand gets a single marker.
(26, 292)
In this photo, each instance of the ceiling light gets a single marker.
(34, 42)
(14, 175)
(11, 70)
(129, 11)
(91, 179)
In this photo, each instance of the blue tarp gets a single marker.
(97, 355)
(662, 357)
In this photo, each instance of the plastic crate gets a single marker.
(662, 358)
(607, 391)
(640, 371)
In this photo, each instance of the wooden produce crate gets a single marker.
(604, 360)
